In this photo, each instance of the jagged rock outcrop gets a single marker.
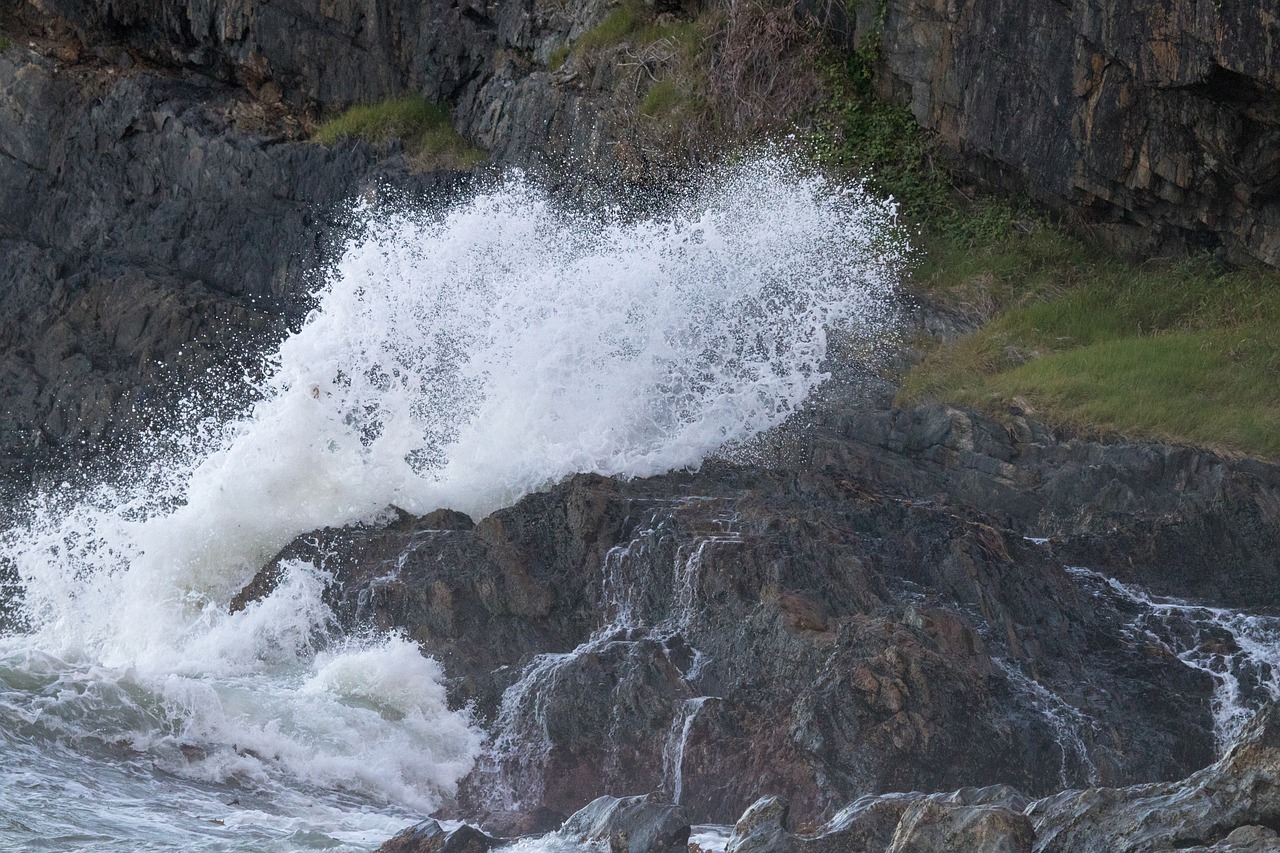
(149, 243)
(1238, 792)
(976, 820)
(1231, 805)
(488, 60)
(430, 837)
(846, 622)
(1155, 125)
(643, 824)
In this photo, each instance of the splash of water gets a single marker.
(457, 358)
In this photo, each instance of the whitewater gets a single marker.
(460, 356)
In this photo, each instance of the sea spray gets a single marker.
(459, 357)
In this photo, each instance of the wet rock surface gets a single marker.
(844, 622)
(1238, 796)
(430, 837)
(643, 824)
(1230, 805)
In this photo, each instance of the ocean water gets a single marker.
(458, 357)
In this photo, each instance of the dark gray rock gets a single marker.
(430, 837)
(1246, 839)
(939, 824)
(487, 60)
(763, 828)
(844, 623)
(972, 819)
(643, 824)
(1241, 790)
(1096, 504)
(151, 248)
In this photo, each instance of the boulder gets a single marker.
(643, 824)
(430, 837)
(763, 828)
(1238, 793)
(975, 820)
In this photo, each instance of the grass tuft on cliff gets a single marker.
(856, 133)
(1185, 352)
(430, 140)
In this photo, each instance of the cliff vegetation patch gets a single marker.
(1183, 352)
(1067, 332)
(425, 128)
(879, 142)
(697, 81)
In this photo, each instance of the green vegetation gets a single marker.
(430, 140)
(1184, 352)
(632, 23)
(557, 58)
(1071, 334)
(662, 98)
(612, 29)
(676, 98)
(856, 133)
(664, 57)
(5, 43)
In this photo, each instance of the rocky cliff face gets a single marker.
(155, 200)
(156, 227)
(1156, 126)
(488, 60)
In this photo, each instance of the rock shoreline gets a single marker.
(844, 623)
(1231, 806)
(902, 600)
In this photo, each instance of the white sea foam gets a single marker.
(459, 357)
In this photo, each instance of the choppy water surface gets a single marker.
(461, 358)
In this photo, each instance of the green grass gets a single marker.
(663, 98)
(557, 58)
(612, 29)
(430, 140)
(1181, 352)
(686, 37)
(5, 43)
(633, 24)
